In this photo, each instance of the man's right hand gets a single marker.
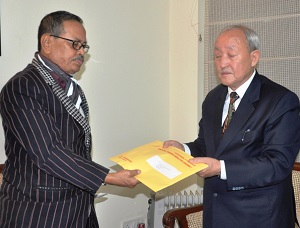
(123, 178)
(173, 143)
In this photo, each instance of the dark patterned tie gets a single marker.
(233, 97)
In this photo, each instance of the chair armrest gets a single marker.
(296, 166)
(1, 176)
(179, 214)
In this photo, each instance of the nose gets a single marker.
(223, 61)
(81, 50)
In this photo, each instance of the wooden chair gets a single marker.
(191, 217)
(187, 217)
(1, 168)
(296, 184)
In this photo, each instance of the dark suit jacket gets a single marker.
(49, 179)
(259, 149)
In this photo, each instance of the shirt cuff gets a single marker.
(186, 149)
(223, 175)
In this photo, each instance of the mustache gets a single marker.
(79, 57)
(226, 71)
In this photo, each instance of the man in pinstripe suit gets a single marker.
(49, 179)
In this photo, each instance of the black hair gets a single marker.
(53, 23)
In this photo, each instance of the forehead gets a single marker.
(231, 39)
(74, 30)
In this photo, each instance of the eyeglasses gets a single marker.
(77, 45)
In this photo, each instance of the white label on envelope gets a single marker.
(163, 167)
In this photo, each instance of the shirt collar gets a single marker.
(243, 88)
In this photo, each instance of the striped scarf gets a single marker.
(80, 115)
(66, 81)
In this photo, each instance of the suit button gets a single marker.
(215, 195)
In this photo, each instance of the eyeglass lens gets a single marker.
(77, 45)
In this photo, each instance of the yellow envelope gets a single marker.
(160, 167)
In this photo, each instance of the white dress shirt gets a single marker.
(240, 91)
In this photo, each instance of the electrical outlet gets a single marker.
(132, 223)
(137, 222)
(127, 224)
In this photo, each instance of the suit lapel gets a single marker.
(218, 117)
(242, 114)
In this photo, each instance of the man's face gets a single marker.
(61, 51)
(234, 63)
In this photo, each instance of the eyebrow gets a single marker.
(83, 42)
(77, 39)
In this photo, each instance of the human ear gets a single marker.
(46, 43)
(255, 55)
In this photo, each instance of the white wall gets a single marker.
(184, 70)
(140, 78)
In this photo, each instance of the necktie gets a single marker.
(233, 97)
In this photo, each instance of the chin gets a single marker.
(224, 81)
(75, 70)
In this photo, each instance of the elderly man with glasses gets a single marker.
(49, 179)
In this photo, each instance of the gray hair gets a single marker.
(251, 36)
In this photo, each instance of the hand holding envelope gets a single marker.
(160, 167)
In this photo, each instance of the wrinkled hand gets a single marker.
(123, 178)
(173, 143)
(213, 169)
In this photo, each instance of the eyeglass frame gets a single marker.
(84, 46)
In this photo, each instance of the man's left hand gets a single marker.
(213, 169)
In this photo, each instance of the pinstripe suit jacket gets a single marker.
(49, 179)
